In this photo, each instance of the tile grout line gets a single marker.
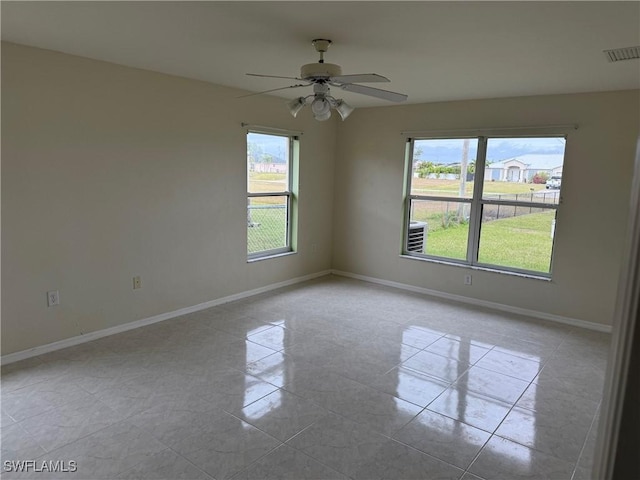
(364, 384)
(493, 434)
(584, 444)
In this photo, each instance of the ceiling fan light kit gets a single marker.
(320, 106)
(323, 75)
(296, 105)
(343, 109)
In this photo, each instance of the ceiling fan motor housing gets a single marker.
(320, 71)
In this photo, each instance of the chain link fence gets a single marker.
(266, 225)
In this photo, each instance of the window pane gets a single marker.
(266, 223)
(517, 237)
(530, 168)
(439, 228)
(267, 163)
(437, 167)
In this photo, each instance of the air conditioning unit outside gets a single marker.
(417, 237)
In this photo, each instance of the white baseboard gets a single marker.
(88, 337)
(482, 303)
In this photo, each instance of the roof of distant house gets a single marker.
(534, 161)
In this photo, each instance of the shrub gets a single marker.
(540, 177)
(451, 219)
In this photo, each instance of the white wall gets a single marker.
(592, 220)
(110, 172)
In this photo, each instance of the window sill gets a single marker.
(530, 276)
(270, 255)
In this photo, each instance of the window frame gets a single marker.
(476, 202)
(289, 194)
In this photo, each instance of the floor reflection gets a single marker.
(466, 387)
(257, 410)
(499, 397)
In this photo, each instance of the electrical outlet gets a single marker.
(467, 279)
(137, 282)
(53, 298)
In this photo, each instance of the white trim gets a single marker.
(481, 303)
(271, 130)
(421, 257)
(267, 254)
(88, 337)
(543, 130)
(620, 378)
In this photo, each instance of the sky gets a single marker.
(450, 151)
(440, 151)
(274, 145)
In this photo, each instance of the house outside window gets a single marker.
(484, 201)
(270, 193)
(523, 168)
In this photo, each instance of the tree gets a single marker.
(540, 177)
(417, 153)
(254, 152)
(267, 158)
(472, 167)
(424, 169)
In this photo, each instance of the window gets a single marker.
(484, 201)
(270, 198)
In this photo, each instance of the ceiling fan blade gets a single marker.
(375, 92)
(274, 90)
(359, 78)
(271, 76)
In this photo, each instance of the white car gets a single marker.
(553, 182)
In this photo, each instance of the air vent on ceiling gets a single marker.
(619, 54)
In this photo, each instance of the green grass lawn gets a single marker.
(522, 242)
(431, 186)
(269, 232)
(267, 182)
(270, 224)
(281, 177)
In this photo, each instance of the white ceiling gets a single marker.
(432, 51)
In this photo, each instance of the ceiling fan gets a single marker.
(324, 75)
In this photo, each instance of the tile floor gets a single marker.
(331, 379)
